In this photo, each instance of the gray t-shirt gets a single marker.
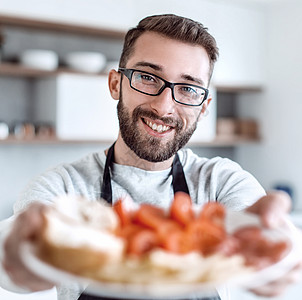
(216, 179)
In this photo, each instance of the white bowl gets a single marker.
(93, 62)
(40, 59)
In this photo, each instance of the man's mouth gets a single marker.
(157, 127)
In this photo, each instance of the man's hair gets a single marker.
(174, 27)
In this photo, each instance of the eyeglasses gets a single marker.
(153, 85)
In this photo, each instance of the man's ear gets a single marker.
(205, 105)
(114, 84)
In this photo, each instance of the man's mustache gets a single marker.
(139, 112)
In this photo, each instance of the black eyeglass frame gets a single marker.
(129, 72)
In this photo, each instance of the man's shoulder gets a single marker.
(85, 166)
(189, 158)
(87, 162)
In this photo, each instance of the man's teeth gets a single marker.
(158, 128)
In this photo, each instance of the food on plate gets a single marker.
(146, 244)
(181, 230)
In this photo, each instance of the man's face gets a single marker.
(156, 127)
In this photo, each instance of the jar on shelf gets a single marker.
(24, 130)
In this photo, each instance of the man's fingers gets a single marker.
(272, 208)
(276, 288)
(33, 220)
(28, 280)
(25, 229)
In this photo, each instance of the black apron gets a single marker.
(179, 185)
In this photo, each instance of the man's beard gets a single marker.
(149, 147)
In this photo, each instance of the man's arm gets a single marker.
(272, 209)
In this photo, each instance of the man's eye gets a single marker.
(147, 77)
(188, 90)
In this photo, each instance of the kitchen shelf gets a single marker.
(230, 141)
(238, 88)
(49, 141)
(60, 27)
(17, 70)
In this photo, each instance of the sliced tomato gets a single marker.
(150, 216)
(141, 242)
(124, 214)
(205, 236)
(177, 242)
(213, 211)
(166, 228)
(181, 208)
(129, 230)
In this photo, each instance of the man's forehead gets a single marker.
(162, 54)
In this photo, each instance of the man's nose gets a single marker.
(164, 104)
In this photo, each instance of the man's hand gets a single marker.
(26, 228)
(272, 209)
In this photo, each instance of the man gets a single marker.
(162, 88)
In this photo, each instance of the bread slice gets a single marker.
(79, 235)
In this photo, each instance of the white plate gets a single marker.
(234, 221)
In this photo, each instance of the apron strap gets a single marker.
(106, 191)
(179, 182)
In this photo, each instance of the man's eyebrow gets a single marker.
(148, 64)
(194, 79)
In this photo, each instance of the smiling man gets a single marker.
(162, 88)
(159, 126)
(152, 125)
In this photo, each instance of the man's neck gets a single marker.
(123, 155)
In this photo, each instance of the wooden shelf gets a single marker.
(63, 27)
(230, 141)
(49, 141)
(17, 70)
(218, 142)
(238, 88)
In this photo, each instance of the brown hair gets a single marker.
(174, 27)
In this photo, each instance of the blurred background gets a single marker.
(55, 106)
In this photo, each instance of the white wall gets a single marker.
(278, 158)
(112, 14)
